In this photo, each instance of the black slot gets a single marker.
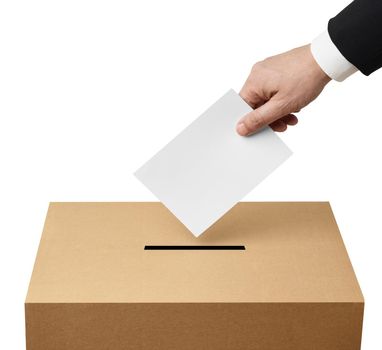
(194, 247)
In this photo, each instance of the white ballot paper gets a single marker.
(205, 170)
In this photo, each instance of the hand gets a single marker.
(279, 86)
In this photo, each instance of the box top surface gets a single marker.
(94, 252)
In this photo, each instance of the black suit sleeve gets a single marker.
(357, 33)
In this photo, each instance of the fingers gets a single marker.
(260, 117)
(249, 92)
(281, 124)
(290, 119)
(251, 98)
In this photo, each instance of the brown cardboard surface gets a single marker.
(95, 287)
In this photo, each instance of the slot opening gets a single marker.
(194, 247)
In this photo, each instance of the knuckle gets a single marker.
(256, 67)
(267, 59)
(286, 105)
(252, 90)
(282, 105)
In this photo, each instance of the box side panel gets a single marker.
(30, 286)
(271, 326)
(357, 286)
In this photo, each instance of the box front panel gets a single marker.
(190, 326)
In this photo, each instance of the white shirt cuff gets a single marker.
(330, 59)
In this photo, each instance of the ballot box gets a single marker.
(266, 276)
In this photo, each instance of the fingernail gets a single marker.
(242, 129)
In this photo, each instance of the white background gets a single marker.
(89, 90)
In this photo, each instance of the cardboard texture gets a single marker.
(94, 286)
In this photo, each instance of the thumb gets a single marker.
(260, 117)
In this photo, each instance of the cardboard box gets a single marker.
(94, 286)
